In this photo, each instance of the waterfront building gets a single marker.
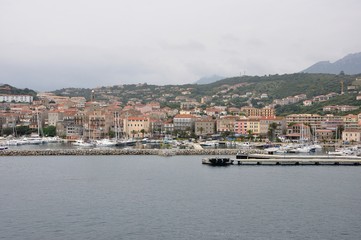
(351, 135)
(266, 122)
(226, 124)
(313, 120)
(299, 132)
(241, 126)
(325, 135)
(184, 122)
(136, 126)
(244, 125)
(54, 117)
(205, 126)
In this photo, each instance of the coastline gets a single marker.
(94, 151)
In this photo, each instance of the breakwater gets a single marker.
(75, 152)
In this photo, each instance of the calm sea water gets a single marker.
(152, 197)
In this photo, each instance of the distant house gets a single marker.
(307, 102)
(264, 95)
(339, 108)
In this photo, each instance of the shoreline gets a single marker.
(81, 152)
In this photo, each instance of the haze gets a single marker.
(48, 45)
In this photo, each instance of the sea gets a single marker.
(155, 197)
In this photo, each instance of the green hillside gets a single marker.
(235, 92)
(8, 89)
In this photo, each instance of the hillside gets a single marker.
(210, 79)
(8, 89)
(351, 64)
(232, 92)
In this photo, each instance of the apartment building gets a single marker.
(184, 122)
(205, 126)
(136, 127)
(16, 98)
(258, 112)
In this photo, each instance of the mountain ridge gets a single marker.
(350, 64)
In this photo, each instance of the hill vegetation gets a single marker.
(8, 89)
(231, 92)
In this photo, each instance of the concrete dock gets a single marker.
(289, 159)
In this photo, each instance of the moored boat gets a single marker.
(217, 161)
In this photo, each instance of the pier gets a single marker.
(268, 159)
(294, 162)
(287, 159)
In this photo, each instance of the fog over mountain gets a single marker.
(209, 79)
(350, 64)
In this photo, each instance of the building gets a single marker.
(278, 122)
(54, 117)
(325, 135)
(184, 122)
(205, 126)
(313, 120)
(136, 127)
(244, 126)
(307, 102)
(226, 124)
(351, 135)
(241, 126)
(16, 98)
(339, 108)
(258, 112)
(298, 132)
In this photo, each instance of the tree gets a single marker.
(143, 132)
(111, 134)
(133, 132)
(272, 131)
(50, 131)
(250, 134)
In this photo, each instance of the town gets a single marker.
(102, 117)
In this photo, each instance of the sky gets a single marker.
(52, 44)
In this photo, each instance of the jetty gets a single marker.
(269, 159)
(115, 151)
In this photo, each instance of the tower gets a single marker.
(342, 92)
(92, 97)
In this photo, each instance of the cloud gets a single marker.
(47, 45)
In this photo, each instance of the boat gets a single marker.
(82, 143)
(217, 161)
(105, 143)
(209, 144)
(3, 148)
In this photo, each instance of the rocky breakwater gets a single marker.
(94, 151)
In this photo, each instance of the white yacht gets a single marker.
(105, 143)
(82, 143)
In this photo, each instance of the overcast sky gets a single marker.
(52, 44)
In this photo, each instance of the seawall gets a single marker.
(79, 152)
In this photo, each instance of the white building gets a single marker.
(16, 98)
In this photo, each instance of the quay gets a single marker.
(269, 159)
(114, 151)
(298, 161)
